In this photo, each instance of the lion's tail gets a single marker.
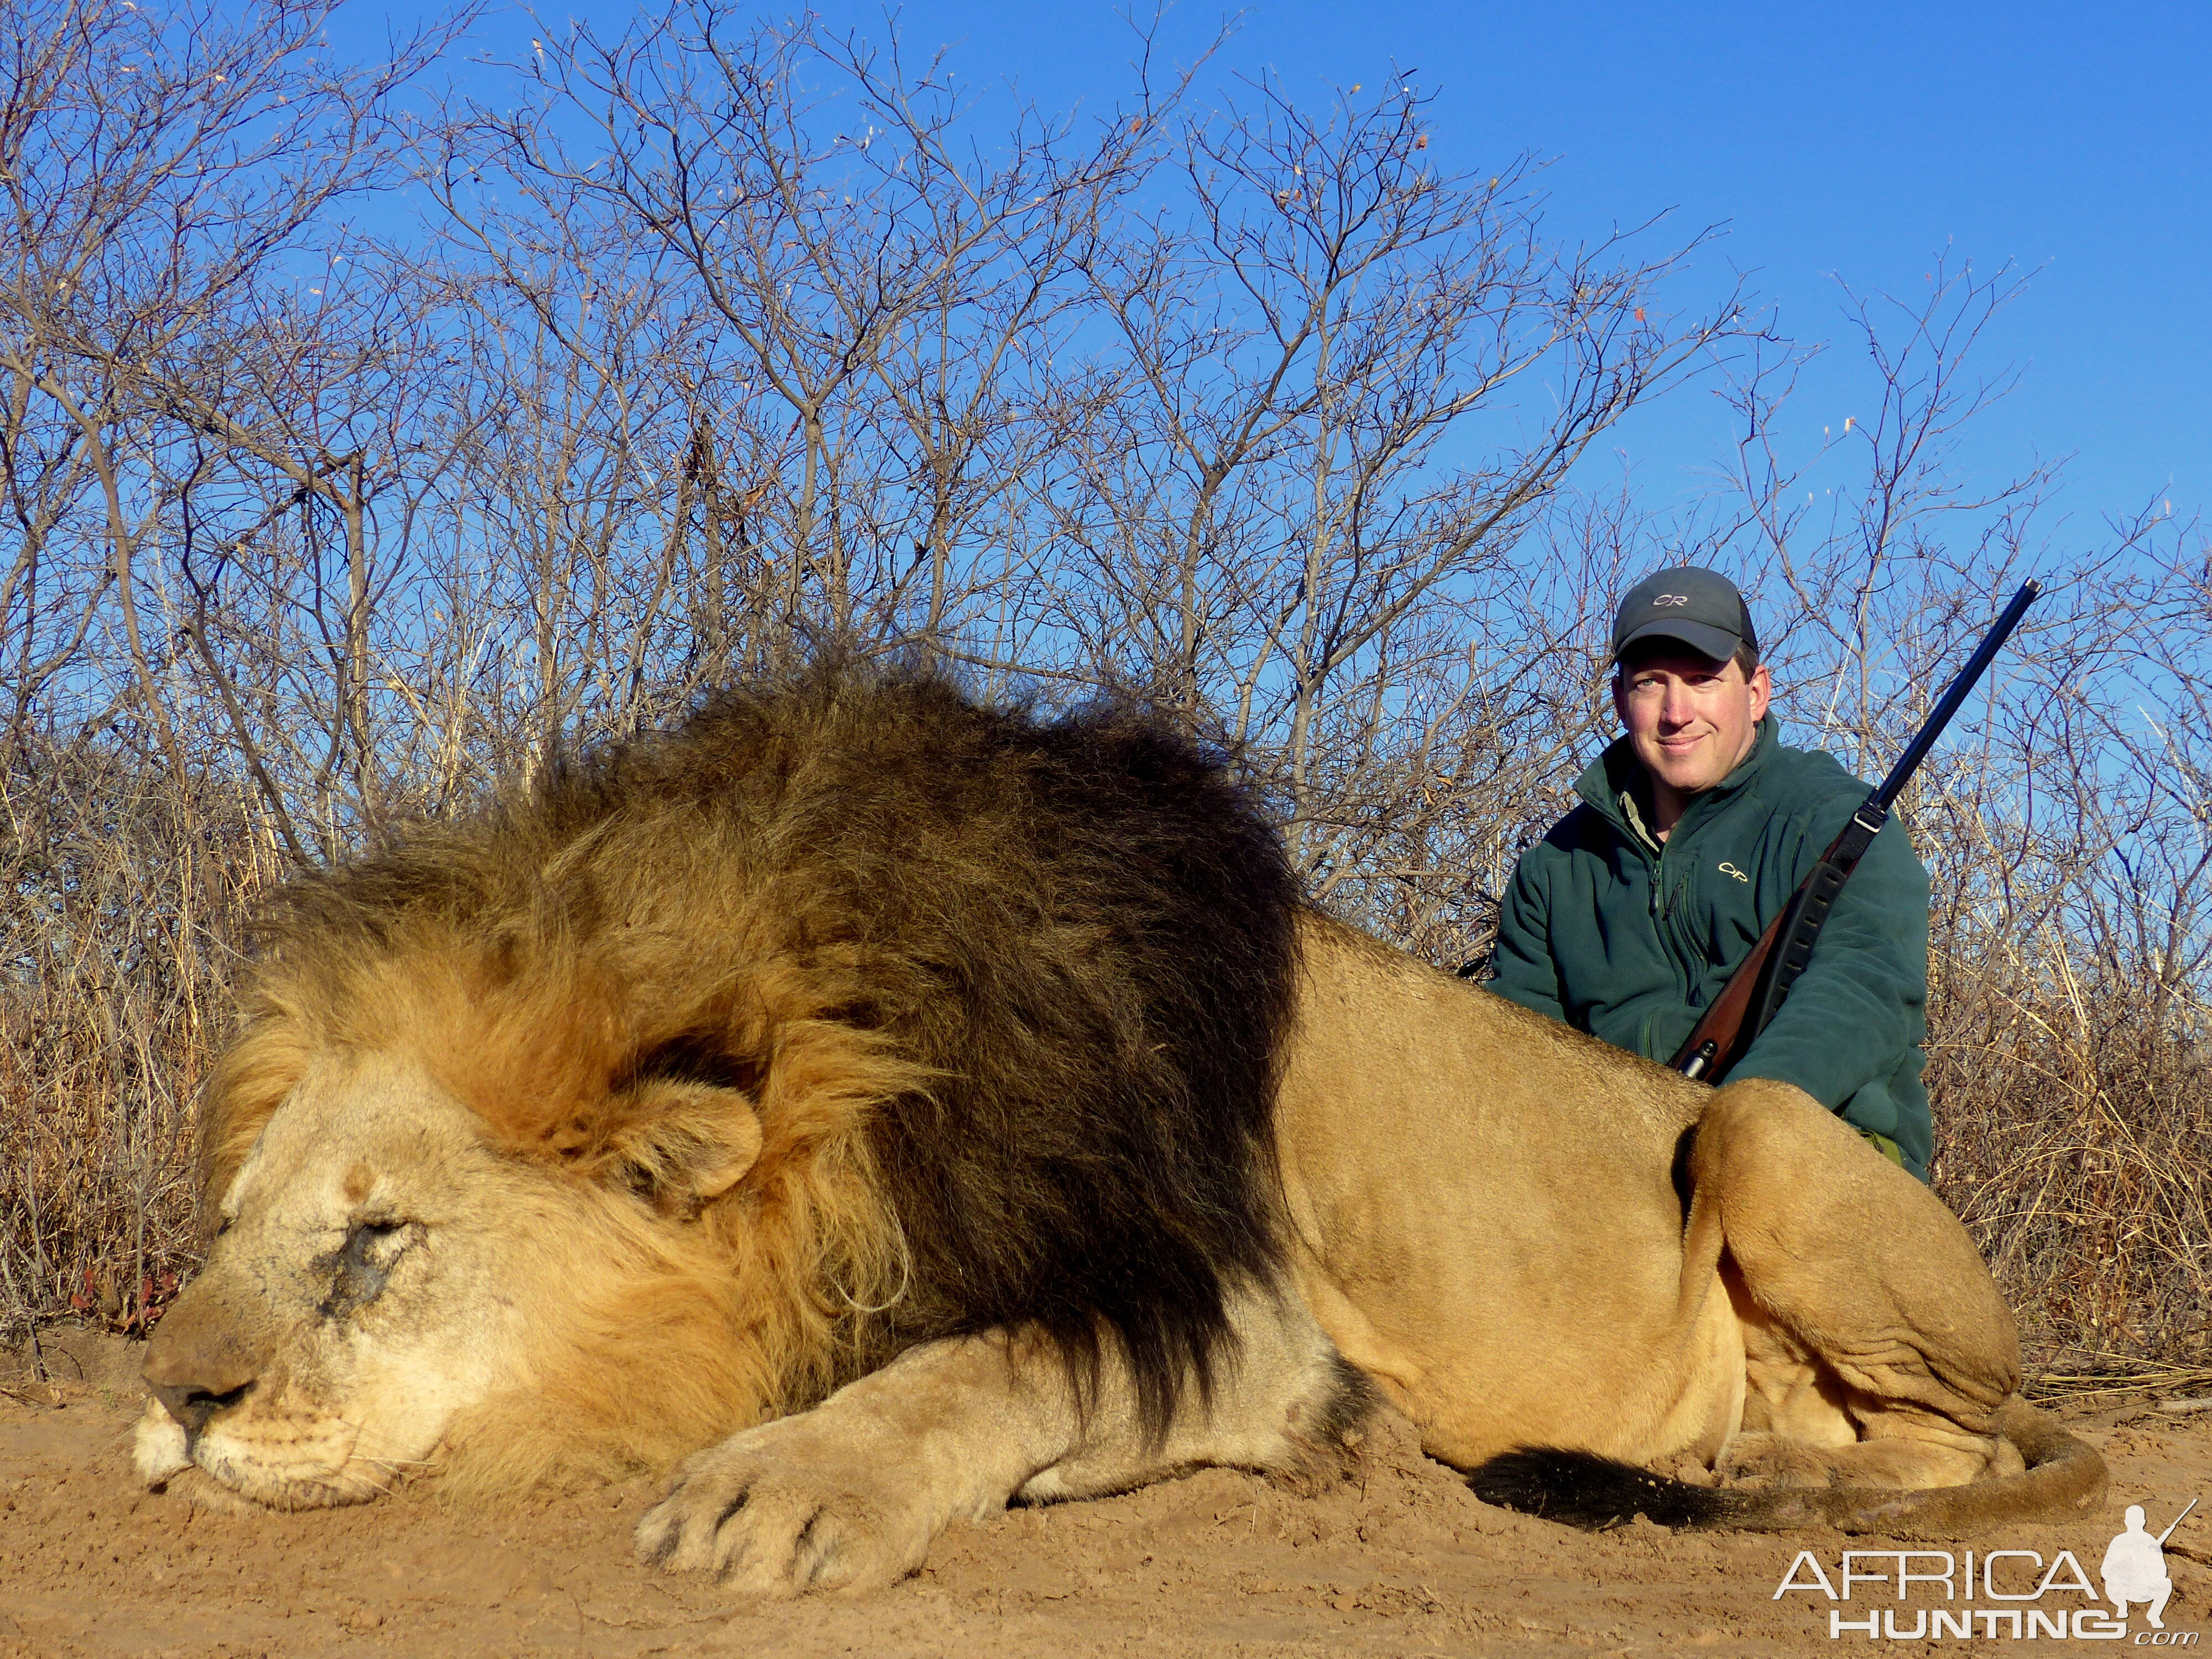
(2064, 1478)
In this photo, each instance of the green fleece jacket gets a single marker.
(1613, 933)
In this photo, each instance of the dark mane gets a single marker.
(1076, 935)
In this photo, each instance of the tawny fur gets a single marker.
(906, 947)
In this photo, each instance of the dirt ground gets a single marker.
(1399, 1559)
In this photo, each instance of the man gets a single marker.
(1694, 828)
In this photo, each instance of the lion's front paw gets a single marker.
(801, 1503)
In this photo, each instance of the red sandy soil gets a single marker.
(1399, 1559)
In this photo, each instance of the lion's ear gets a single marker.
(680, 1144)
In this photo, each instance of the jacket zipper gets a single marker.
(1667, 941)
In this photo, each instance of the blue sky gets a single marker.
(1834, 140)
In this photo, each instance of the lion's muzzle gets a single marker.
(196, 1365)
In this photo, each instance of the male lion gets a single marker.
(878, 1107)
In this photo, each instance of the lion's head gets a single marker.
(380, 1271)
(710, 1072)
(394, 1281)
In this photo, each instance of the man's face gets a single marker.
(1691, 719)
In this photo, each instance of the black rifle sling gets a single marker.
(1808, 913)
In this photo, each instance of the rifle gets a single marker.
(1756, 990)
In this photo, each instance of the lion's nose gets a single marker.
(193, 1403)
(194, 1364)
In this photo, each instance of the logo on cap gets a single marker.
(1700, 609)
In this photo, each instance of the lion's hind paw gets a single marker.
(1758, 1462)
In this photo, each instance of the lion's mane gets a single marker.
(1005, 993)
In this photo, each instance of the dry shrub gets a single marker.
(2074, 1117)
(124, 894)
(2073, 1104)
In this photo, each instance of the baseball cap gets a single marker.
(1700, 608)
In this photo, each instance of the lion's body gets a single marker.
(1527, 1239)
(1439, 1148)
(901, 1108)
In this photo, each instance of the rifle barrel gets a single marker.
(2177, 1520)
(1957, 692)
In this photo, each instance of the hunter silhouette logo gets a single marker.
(2135, 1566)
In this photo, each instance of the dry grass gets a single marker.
(125, 896)
(2073, 1121)
(2072, 1118)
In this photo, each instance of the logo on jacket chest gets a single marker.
(1727, 869)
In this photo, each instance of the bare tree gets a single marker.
(884, 297)
(719, 345)
(163, 174)
(1303, 487)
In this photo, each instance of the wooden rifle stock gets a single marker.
(1764, 977)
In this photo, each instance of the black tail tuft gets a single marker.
(1581, 1489)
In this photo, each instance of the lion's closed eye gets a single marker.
(362, 1266)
